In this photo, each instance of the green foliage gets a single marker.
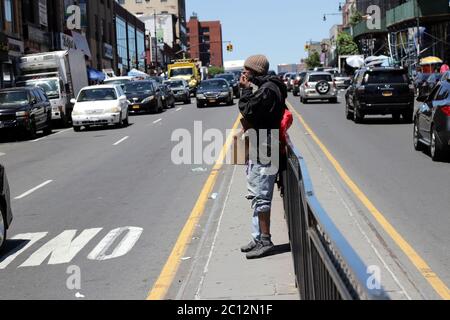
(212, 71)
(313, 60)
(356, 18)
(346, 45)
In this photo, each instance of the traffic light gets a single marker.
(230, 47)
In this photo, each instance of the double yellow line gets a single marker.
(424, 269)
(165, 279)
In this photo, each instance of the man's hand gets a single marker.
(243, 82)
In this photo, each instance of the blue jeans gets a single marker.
(261, 184)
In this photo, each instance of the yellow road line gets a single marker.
(424, 269)
(162, 284)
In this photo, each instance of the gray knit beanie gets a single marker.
(258, 63)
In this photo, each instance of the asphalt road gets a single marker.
(114, 192)
(410, 190)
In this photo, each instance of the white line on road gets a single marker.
(179, 109)
(120, 141)
(33, 190)
(156, 121)
(2, 154)
(62, 131)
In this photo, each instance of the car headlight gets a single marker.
(76, 112)
(224, 94)
(113, 110)
(200, 96)
(148, 99)
(22, 114)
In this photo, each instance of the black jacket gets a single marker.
(264, 108)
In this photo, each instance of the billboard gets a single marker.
(163, 30)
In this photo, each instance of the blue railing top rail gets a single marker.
(354, 269)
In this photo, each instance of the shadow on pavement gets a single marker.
(11, 247)
(280, 249)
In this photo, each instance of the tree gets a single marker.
(212, 71)
(313, 60)
(356, 18)
(346, 45)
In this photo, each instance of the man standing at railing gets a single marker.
(262, 106)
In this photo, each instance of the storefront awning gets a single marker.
(95, 75)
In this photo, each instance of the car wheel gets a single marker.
(435, 148)
(334, 100)
(348, 114)
(48, 129)
(408, 117)
(357, 116)
(200, 105)
(76, 128)
(305, 101)
(126, 122)
(416, 137)
(161, 107)
(32, 131)
(3, 230)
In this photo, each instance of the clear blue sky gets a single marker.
(277, 28)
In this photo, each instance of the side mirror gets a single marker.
(73, 101)
(422, 98)
(123, 97)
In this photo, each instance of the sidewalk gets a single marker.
(228, 274)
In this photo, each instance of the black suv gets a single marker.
(5, 207)
(26, 110)
(380, 91)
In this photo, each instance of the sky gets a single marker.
(277, 28)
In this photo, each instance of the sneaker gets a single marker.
(262, 249)
(249, 247)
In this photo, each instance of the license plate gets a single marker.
(387, 94)
(212, 100)
(135, 107)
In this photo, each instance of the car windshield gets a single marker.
(213, 84)
(386, 77)
(138, 87)
(174, 84)
(320, 77)
(13, 98)
(50, 87)
(228, 77)
(100, 94)
(181, 72)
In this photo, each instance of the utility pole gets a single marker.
(156, 42)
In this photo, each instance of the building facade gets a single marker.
(205, 41)
(175, 8)
(131, 41)
(11, 40)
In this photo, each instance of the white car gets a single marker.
(100, 106)
(318, 86)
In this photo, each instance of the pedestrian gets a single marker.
(444, 67)
(262, 105)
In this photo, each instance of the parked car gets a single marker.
(6, 215)
(168, 96)
(428, 86)
(431, 122)
(143, 96)
(25, 111)
(214, 91)
(180, 89)
(100, 106)
(297, 83)
(231, 80)
(318, 86)
(380, 91)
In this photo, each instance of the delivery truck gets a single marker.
(61, 74)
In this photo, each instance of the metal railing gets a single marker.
(326, 266)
